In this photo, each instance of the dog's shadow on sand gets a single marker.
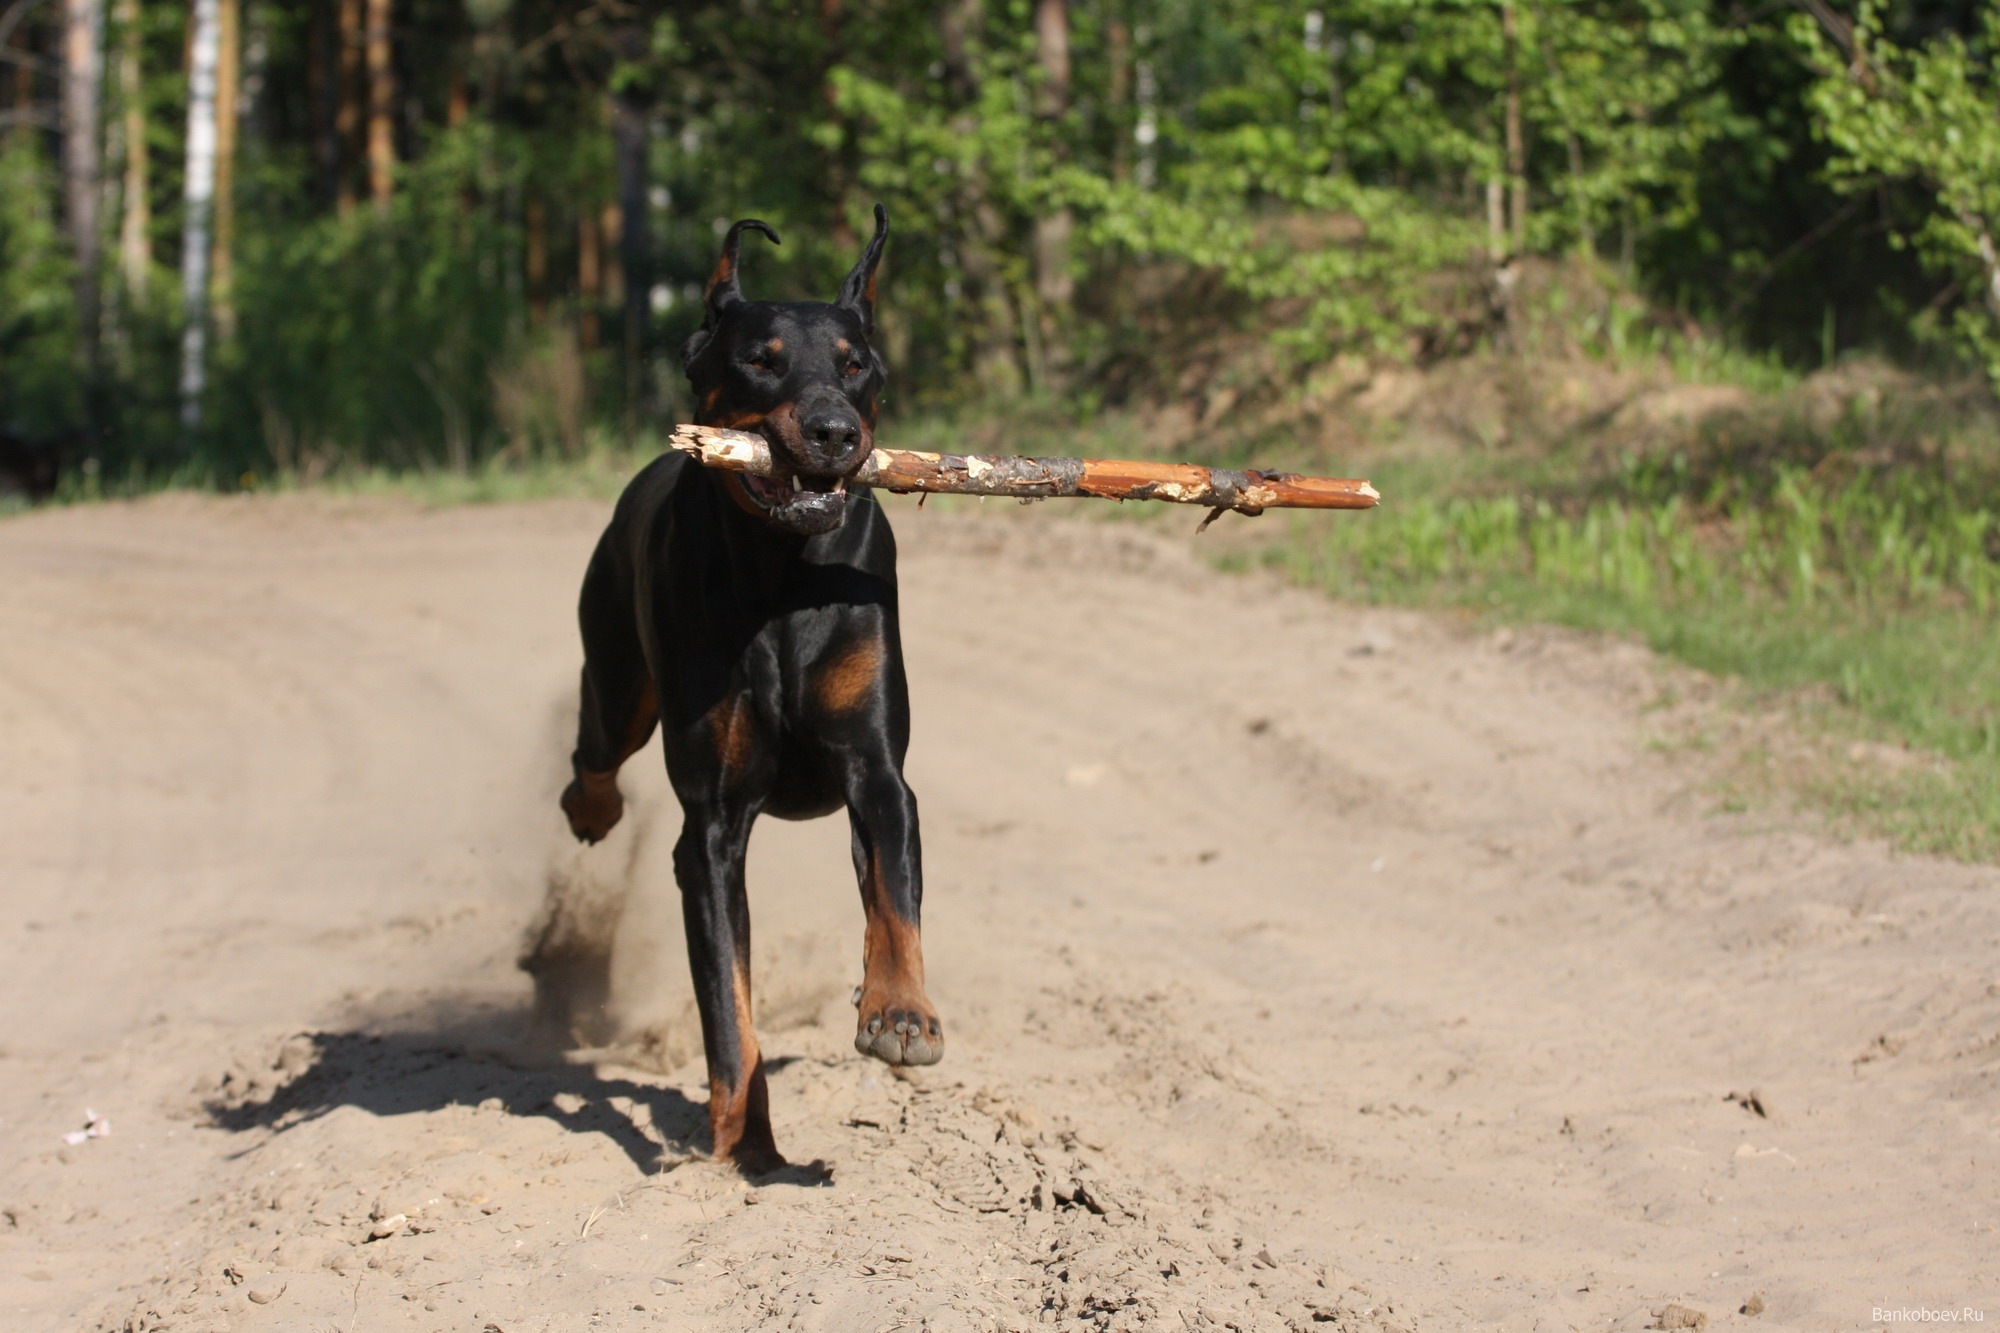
(403, 1073)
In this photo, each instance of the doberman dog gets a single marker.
(754, 623)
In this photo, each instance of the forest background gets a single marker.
(1677, 316)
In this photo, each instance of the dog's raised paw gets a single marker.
(593, 806)
(900, 1035)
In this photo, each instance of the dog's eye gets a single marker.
(852, 369)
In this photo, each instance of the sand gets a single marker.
(1303, 966)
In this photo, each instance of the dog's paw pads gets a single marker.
(901, 1036)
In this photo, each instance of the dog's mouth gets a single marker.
(809, 505)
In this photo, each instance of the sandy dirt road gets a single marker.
(1303, 966)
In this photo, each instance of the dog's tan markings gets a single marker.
(737, 420)
(710, 399)
(734, 726)
(593, 805)
(732, 486)
(739, 1112)
(842, 682)
(775, 346)
(592, 801)
(842, 346)
(725, 268)
(896, 1022)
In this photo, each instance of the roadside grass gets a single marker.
(600, 471)
(1862, 595)
(1849, 576)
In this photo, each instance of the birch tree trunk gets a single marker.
(1055, 288)
(135, 226)
(82, 154)
(228, 91)
(204, 44)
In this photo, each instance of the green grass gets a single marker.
(1866, 596)
(598, 473)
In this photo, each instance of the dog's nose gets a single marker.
(835, 437)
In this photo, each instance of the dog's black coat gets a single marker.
(755, 625)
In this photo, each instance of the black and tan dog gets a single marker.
(754, 623)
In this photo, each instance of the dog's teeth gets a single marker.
(840, 486)
(798, 483)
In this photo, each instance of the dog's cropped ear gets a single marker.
(723, 289)
(857, 292)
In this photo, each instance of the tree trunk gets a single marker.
(628, 132)
(348, 95)
(1586, 234)
(1118, 94)
(381, 106)
(995, 337)
(228, 90)
(1146, 124)
(1336, 99)
(839, 170)
(204, 41)
(538, 257)
(1517, 154)
(1055, 288)
(135, 226)
(610, 228)
(323, 97)
(589, 280)
(24, 79)
(82, 160)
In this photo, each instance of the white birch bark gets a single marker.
(82, 152)
(198, 207)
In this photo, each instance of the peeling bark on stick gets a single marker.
(904, 471)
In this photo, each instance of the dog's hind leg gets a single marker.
(619, 708)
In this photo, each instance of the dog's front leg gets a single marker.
(896, 1022)
(708, 862)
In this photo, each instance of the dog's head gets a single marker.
(803, 374)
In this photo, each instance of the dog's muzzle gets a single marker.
(822, 441)
(808, 505)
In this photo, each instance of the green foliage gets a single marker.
(1873, 584)
(40, 387)
(375, 337)
(1318, 173)
(1928, 115)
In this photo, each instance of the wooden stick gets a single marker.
(906, 470)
